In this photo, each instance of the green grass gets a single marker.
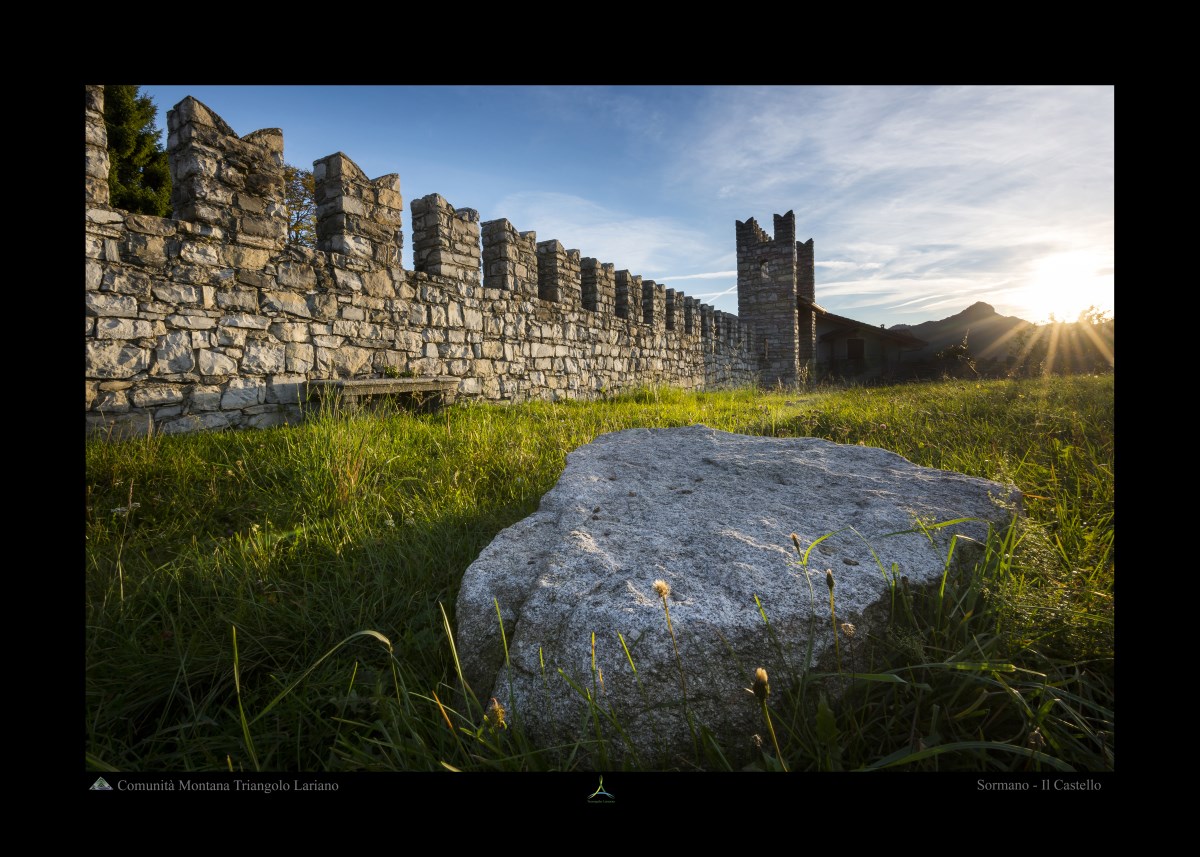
(303, 538)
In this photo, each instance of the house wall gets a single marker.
(881, 357)
(208, 319)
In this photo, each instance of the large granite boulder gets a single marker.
(712, 515)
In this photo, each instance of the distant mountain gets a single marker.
(989, 334)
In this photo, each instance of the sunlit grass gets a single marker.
(303, 537)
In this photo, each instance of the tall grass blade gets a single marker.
(237, 684)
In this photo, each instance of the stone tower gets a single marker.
(776, 293)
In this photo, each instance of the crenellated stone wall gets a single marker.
(209, 319)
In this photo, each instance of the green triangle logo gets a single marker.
(100, 786)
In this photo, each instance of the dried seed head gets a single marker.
(796, 541)
(761, 688)
(848, 629)
(662, 588)
(829, 578)
(1036, 741)
(494, 716)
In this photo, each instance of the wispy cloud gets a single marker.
(649, 246)
(709, 295)
(917, 185)
(923, 299)
(915, 195)
(842, 265)
(710, 275)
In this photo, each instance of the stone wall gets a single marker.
(210, 319)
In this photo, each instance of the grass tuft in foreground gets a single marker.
(330, 552)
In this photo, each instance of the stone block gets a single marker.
(706, 529)
(286, 389)
(198, 422)
(114, 360)
(205, 397)
(263, 357)
(243, 392)
(110, 305)
(246, 320)
(295, 275)
(285, 302)
(214, 363)
(299, 357)
(200, 254)
(155, 395)
(174, 354)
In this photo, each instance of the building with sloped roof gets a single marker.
(797, 339)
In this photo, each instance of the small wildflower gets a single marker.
(829, 578)
(494, 716)
(883, 426)
(762, 689)
(389, 523)
(848, 630)
(123, 510)
(662, 588)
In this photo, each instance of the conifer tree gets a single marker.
(139, 179)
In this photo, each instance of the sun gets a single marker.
(1065, 284)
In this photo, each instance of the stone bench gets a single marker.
(432, 392)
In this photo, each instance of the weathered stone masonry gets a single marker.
(776, 291)
(210, 320)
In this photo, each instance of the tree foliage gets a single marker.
(300, 196)
(1065, 348)
(139, 178)
(956, 359)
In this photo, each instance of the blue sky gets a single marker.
(920, 200)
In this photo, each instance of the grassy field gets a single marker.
(281, 599)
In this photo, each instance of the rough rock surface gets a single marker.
(710, 513)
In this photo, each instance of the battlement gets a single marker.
(510, 259)
(95, 148)
(653, 298)
(210, 319)
(446, 240)
(750, 233)
(225, 181)
(628, 286)
(598, 281)
(558, 273)
(357, 216)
